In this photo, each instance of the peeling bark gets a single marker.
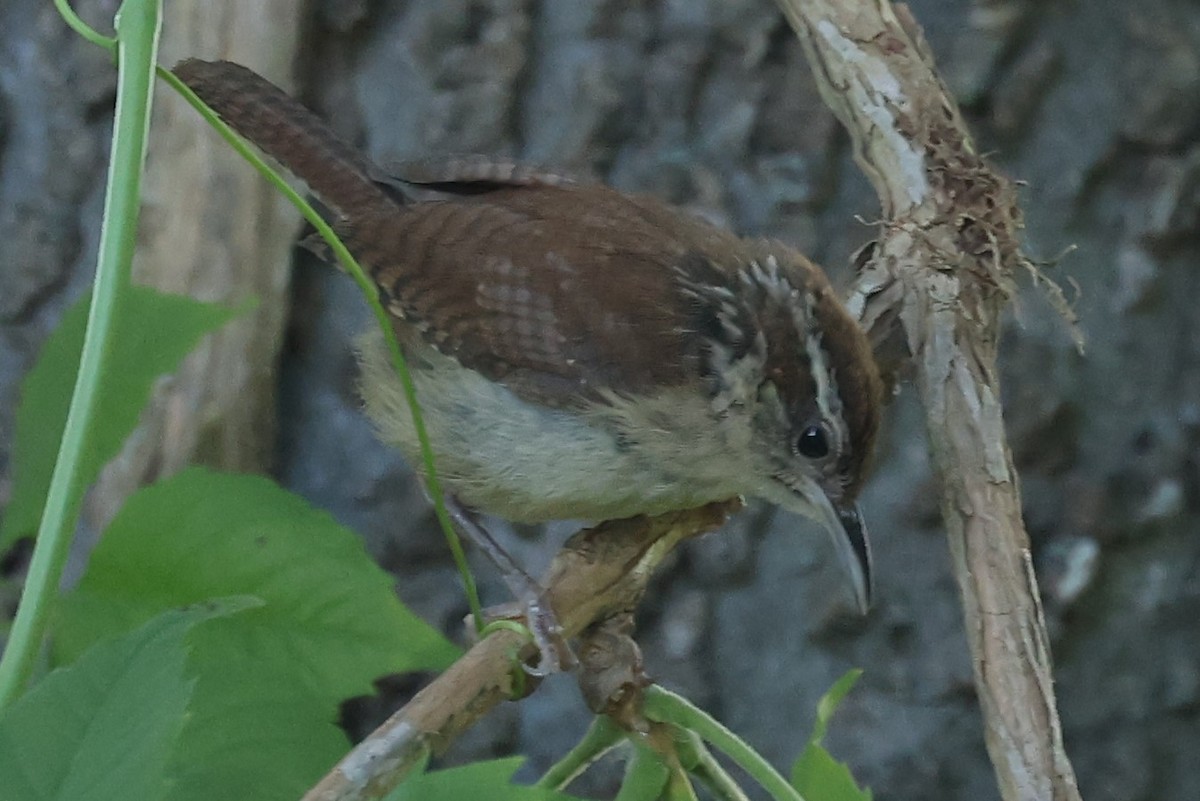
(941, 273)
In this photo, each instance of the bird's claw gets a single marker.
(554, 652)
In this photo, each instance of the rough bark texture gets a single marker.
(711, 104)
(941, 271)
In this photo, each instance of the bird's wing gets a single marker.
(553, 289)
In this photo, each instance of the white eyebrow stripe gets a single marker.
(767, 278)
(829, 399)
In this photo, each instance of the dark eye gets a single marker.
(813, 443)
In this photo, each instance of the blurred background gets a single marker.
(709, 104)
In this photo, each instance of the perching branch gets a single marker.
(600, 573)
(936, 283)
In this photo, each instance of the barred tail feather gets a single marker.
(287, 131)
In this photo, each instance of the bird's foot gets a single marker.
(535, 615)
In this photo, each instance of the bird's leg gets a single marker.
(555, 653)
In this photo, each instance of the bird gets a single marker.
(582, 353)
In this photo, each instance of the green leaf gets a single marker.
(269, 681)
(105, 727)
(830, 701)
(816, 774)
(820, 777)
(154, 332)
(491, 780)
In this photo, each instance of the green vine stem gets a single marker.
(646, 777)
(700, 762)
(601, 737)
(83, 29)
(137, 24)
(667, 707)
(679, 786)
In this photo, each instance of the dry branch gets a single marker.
(937, 281)
(599, 574)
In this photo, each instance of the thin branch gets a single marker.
(940, 274)
(599, 573)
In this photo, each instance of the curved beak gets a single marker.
(849, 534)
(845, 525)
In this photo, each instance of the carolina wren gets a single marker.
(579, 353)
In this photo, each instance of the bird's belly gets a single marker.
(526, 463)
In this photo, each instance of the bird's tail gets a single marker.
(288, 132)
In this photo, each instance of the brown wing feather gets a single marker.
(467, 174)
(518, 283)
(513, 272)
